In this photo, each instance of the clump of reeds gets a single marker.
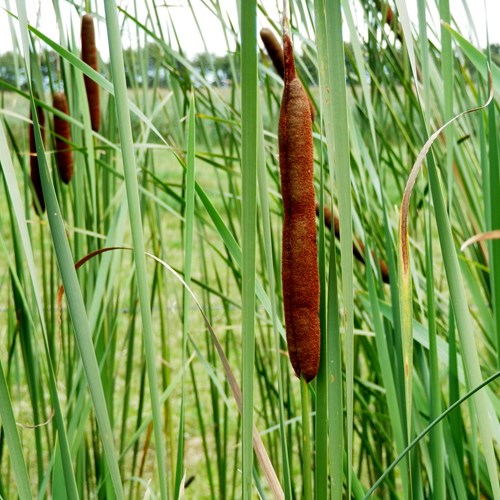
(38, 200)
(275, 52)
(358, 248)
(300, 275)
(89, 56)
(62, 131)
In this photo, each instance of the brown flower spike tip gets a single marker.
(62, 130)
(275, 52)
(89, 56)
(34, 169)
(300, 252)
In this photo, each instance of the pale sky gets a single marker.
(179, 14)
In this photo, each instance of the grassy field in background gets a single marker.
(131, 388)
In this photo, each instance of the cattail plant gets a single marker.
(275, 52)
(358, 248)
(62, 131)
(89, 56)
(299, 253)
(39, 202)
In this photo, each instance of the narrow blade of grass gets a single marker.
(249, 104)
(188, 243)
(13, 443)
(128, 156)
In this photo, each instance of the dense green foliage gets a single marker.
(129, 383)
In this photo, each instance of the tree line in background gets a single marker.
(218, 69)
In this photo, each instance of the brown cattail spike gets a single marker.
(389, 15)
(39, 203)
(300, 252)
(62, 131)
(275, 52)
(89, 56)
(390, 20)
(358, 248)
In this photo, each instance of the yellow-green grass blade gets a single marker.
(188, 244)
(13, 442)
(361, 68)
(477, 58)
(383, 350)
(424, 56)
(447, 73)
(336, 452)
(135, 215)
(436, 435)
(322, 380)
(269, 257)
(333, 344)
(405, 293)
(249, 105)
(492, 222)
(336, 126)
(306, 442)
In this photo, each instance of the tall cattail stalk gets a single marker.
(275, 52)
(300, 274)
(62, 131)
(89, 56)
(358, 248)
(39, 201)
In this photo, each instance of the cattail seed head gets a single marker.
(389, 15)
(34, 169)
(300, 275)
(389, 18)
(62, 131)
(384, 271)
(358, 248)
(274, 50)
(89, 56)
(329, 219)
